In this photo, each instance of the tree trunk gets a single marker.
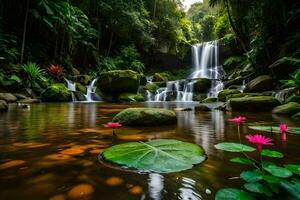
(110, 43)
(154, 10)
(24, 32)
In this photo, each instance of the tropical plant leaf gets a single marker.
(232, 193)
(251, 176)
(258, 188)
(274, 129)
(241, 160)
(271, 179)
(161, 155)
(293, 168)
(292, 188)
(234, 147)
(271, 153)
(276, 171)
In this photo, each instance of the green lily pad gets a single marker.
(241, 160)
(293, 168)
(275, 129)
(233, 194)
(163, 156)
(234, 147)
(258, 188)
(251, 176)
(293, 188)
(270, 153)
(276, 171)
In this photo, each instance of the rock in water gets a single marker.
(287, 109)
(8, 97)
(260, 84)
(227, 92)
(56, 93)
(3, 106)
(146, 117)
(253, 104)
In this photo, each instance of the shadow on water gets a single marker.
(50, 152)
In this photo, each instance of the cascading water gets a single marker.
(205, 60)
(72, 87)
(90, 89)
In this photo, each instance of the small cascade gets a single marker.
(90, 89)
(279, 94)
(71, 87)
(205, 59)
(242, 87)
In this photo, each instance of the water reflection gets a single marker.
(156, 186)
(187, 190)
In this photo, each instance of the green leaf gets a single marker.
(293, 168)
(276, 171)
(161, 155)
(241, 160)
(233, 147)
(274, 129)
(270, 153)
(251, 176)
(258, 188)
(271, 179)
(292, 188)
(233, 194)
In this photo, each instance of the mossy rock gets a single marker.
(83, 79)
(80, 88)
(151, 87)
(253, 104)
(287, 109)
(75, 71)
(202, 85)
(293, 98)
(146, 117)
(161, 84)
(210, 100)
(224, 93)
(116, 82)
(57, 92)
(296, 116)
(128, 97)
(232, 96)
(8, 97)
(260, 84)
(157, 77)
(3, 106)
(237, 81)
(202, 107)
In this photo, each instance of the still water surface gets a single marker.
(50, 152)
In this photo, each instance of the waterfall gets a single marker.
(90, 89)
(71, 87)
(205, 60)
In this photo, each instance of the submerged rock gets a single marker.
(129, 97)
(259, 84)
(8, 97)
(287, 109)
(254, 104)
(224, 93)
(119, 81)
(202, 85)
(145, 117)
(202, 107)
(3, 106)
(56, 93)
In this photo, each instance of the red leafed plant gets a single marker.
(57, 71)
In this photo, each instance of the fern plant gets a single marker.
(33, 74)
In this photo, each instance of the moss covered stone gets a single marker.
(145, 117)
(259, 84)
(210, 100)
(287, 109)
(202, 85)
(160, 77)
(224, 93)
(151, 87)
(293, 98)
(253, 104)
(119, 81)
(56, 93)
(80, 88)
(8, 97)
(128, 97)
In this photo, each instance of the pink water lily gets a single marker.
(238, 120)
(259, 140)
(283, 128)
(113, 125)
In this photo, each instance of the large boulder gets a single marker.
(3, 106)
(8, 97)
(145, 117)
(202, 85)
(224, 93)
(56, 93)
(119, 81)
(287, 109)
(253, 104)
(260, 84)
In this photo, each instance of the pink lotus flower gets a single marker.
(238, 120)
(259, 140)
(113, 125)
(283, 128)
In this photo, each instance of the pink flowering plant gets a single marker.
(263, 179)
(113, 125)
